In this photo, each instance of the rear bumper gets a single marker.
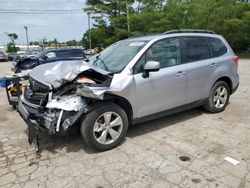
(235, 88)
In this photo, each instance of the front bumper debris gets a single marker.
(57, 118)
(33, 129)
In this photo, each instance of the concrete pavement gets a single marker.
(182, 150)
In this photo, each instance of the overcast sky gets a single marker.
(61, 26)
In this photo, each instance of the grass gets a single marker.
(243, 54)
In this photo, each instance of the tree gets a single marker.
(11, 47)
(12, 37)
(55, 42)
(72, 43)
(34, 43)
(230, 18)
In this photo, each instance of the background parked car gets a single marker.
(32, 54)
(11, 56)
(3, 57)
(248, 48)
(19, 55)
(48, 56)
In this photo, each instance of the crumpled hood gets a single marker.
(58, 73)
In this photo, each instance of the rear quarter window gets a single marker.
(61, 53)
(217, 46)
(77, 53)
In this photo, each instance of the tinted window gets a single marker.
(138, 68)
(63, 53)
(195, 49)
(77, 53)
(166, 52)
(217, 46)
(70, 53)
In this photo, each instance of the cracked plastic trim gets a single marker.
(67, 103)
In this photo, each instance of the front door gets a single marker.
(48, 58)
(164, 89)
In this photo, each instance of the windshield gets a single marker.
(114, 58)
(39, 54)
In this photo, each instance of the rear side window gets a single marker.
(70, 53)
(77, 53)
(217, 46)
(195, 49)
(63, 53)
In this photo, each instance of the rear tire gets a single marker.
(218, 97)
(105, 127)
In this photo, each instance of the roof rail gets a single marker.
(143, 35)
(189, 31)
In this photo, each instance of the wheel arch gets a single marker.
(122, 102)
(228, 81)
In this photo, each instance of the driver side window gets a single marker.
(166, 52)
(138, 68)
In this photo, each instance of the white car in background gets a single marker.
(3, 57)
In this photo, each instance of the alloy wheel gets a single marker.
(220, 97)
(107, 128)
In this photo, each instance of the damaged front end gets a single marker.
(59, 95)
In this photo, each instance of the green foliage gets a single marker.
(12, 37)
(243, 54)
(34, 43)
(230, 18)
(12, 48)
(72, 43)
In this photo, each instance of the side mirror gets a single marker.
(150, 66)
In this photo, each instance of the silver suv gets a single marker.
(133, 80)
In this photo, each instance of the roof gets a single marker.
(60, 49)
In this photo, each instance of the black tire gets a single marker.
(87, 126)
(210, 104)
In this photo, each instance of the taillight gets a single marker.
(235, 59)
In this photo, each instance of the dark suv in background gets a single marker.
(48, 56)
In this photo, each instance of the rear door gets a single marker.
(200, 67)
(164, 89)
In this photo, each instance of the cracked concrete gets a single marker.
(150, 156)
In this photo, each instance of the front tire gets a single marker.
(105, 127)
(218, 97)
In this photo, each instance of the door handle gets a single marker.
(213, 65)
(180, 74)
